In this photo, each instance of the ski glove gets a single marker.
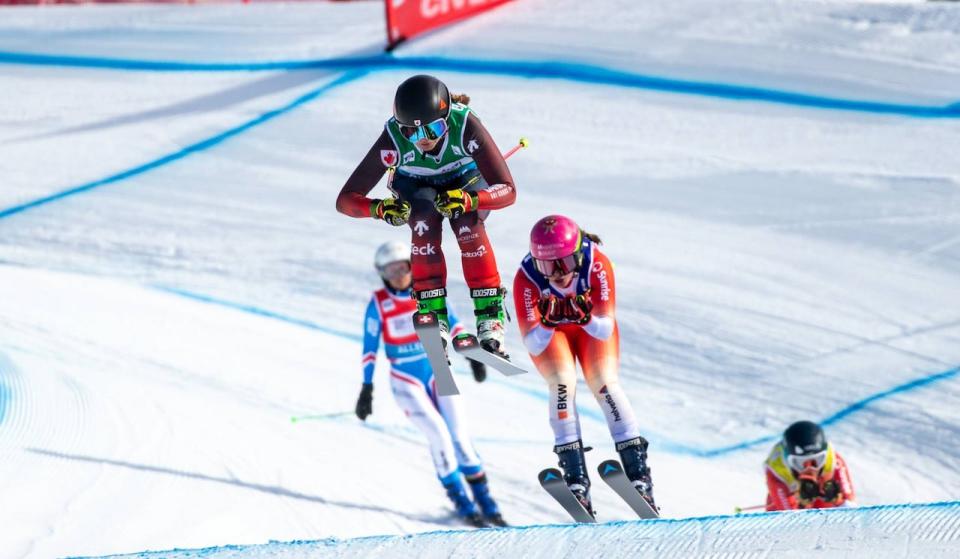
(365, 401)
(577, 309)
(479, 370)
(551, 311)
(453, 203)
(809, 490)
(393, 211)
(830, 491)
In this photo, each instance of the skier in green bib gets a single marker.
(445, 165)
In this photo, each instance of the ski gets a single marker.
(428, 330)
(551, 480)
(468, 346)
(612, 472)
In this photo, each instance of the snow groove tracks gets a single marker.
(929, 530)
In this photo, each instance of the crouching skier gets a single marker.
(804, 471)
(411, 379)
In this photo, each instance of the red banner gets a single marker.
(407, 18)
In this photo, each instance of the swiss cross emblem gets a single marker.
(388, 157)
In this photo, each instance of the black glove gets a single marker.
(365, 401)
(809, 490)
(551, 311)
(830, 491)
(577, 309)
(479, 370)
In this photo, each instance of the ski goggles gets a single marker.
(395, 270)
(431, 131)
(559, 266)
(801, 462)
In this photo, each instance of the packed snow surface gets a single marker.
(175, 283)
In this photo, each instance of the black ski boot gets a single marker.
(481, 496)
(466, 510)
(574, 466)
(479, 370)
(633, 455)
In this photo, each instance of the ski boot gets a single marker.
(481, 496)
(491, 316)
(574, 466)
(633, 455)
(435, 301)
(466, 509)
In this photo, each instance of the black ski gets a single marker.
(428, 330)
(612, 472)
(468, 346)
(551, 479)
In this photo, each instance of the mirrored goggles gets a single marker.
(431, 131)
(560, 266)
(801, 462)
(395, 270)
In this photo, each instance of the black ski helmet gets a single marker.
(804, 437)
(421, 100)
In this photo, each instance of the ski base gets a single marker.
(468, 346)
(427, 327)
(551, 480)
(612, 472)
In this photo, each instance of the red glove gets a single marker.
(551, 311)
(577, 309)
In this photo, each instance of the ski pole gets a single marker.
(738, 510)
(297, 418)
(523, 143)
(473, 180)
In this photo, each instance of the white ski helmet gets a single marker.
(393, 251)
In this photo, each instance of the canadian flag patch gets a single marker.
(388, 157)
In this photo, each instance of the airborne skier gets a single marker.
(440, 418)
(446, 166)
(564, 294)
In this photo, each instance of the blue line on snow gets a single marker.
(666, 445)
(717, 526)
(905, 387)
(260, 312)
(4, 395)
(189, 150)
(846, 411)
(8, 370)
(742, 517)
(584, 73)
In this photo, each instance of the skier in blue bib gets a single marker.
(388, 316)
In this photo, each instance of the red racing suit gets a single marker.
(595, 345)
(783, 484)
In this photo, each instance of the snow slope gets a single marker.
(907, 530)
(160, 325)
